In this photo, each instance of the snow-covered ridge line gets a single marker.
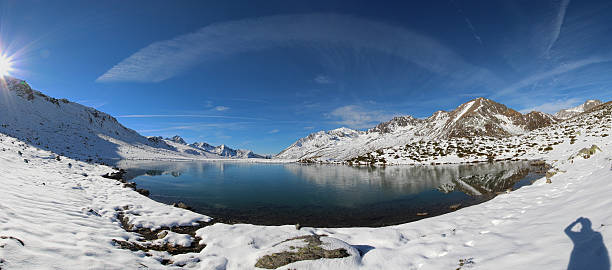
(533, 145)
(84, 133)
(571, 112)
(478, 118)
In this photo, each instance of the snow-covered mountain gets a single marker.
(207, 150)
(571, 112)
(224, 151)
(476, 118)
(81, 132)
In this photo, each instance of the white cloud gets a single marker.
(322, 79)
(567, 67)
(557, 24)
(273, 131)
(186, 115)
(165, 59)
(221, 108)
(554, 106)
(354, 116)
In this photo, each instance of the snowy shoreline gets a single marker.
(66, 216)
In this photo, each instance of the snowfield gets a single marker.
(60, 214)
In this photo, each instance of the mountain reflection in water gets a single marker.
(325, 195)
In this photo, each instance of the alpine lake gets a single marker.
(323, 195)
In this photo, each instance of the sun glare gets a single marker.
(6, 65)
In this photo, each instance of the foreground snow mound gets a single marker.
(58, 213)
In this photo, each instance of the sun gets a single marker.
(6, 65)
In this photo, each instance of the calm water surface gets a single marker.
(325, 195)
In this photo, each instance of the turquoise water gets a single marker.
(325, 195)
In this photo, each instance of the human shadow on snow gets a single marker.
(589, 250)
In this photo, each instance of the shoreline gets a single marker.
(61, 208)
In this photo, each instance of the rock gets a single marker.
(588, 152)
(115, 175)
(307, 247)
(162, 234)
(455, 206)
(182, 205)
(143, 191)
(131, 185)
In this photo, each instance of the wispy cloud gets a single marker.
(273, 131)
(554, 106)
(468, 22)
(221, 108)
(322, 79)
(187, 115)
(561, 69)
(557, 24)
(355, 116)
(162, 60)
(197, 126)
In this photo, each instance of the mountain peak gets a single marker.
(571, 112)
(177, 139)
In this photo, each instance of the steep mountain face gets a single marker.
(68, 128)
(80, 132)
(571, 112)
(476, 118)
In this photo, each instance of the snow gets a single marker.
(84, 133)
(67, 220)
(464, 108)
(476, 118)
(59, 213)
(571, 112)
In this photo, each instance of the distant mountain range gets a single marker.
(84, 133)
(480, 117)
(202, 148)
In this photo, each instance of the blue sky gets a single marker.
(261, 75)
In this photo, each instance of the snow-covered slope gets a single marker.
(571, 112)
(532, 145)
(73, 130)
(477, 118)
(59, 214)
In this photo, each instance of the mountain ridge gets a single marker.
(479, 117)
(80, 132)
